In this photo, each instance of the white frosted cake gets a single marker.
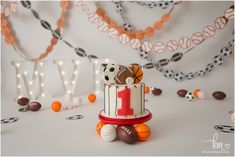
(122, 101)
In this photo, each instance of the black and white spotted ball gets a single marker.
(189, 96)
(127, 27)
(109, 71)
(210, 67)
(164, 4)
(169, 73)
(119, 8)
(218, 60)
(190, 76)
(231, 43)
(143, 54)
(179, 76)
(200, 73)
(226, 51)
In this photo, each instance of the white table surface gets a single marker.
(178, 126)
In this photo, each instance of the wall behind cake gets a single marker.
(187, 18)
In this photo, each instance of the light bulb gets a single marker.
(42, 74)
(18, 64)
(60, 62)
(18, 75)
(96, 61)
(35, 72)
(96, 71)
(63, 72)
(19, 86)
(42, 84)
(106, 60)
(65, 82)
(75, 72)
(41, 63)
(30, 82)
(77, 62)
(25, 73)
(31, 92)
(43, 95)
(73, 82)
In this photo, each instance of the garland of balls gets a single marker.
(218, 60)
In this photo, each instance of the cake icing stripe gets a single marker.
(104, 98)
(109, 99)
(116, 103)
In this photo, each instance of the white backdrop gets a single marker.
(186, 19)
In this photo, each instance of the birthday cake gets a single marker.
(124, 104)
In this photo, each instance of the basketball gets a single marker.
(99, 125)
(143, 132)
(137, 73)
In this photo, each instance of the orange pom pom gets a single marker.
(60, 22)
(143, 131)
(9, 39)
(131, 35)
(56, 106)
(106, 19)
(146, 89)
(99, 126)
(100, 12)
(139, 34)
(92, 97)
(53, 41)
(149, 31)
(113, 24)
(49, 49)
(64, 4)
(195, 92)
(6, 31)
(158, 25)
(121, 30)
(166, 17)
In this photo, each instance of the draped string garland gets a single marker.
(105, 24)
(218, 60)
(148, 31)
(57, 35)
(10, 39)
(225, 51)
(163, 4)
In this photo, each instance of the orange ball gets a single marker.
(146, 89)
(56, 106)
(149, 31)
(165, 17)
(143, 132)
(195, 92)
(99, 126)
(92, 97)
(137, 73)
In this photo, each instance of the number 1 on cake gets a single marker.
(125, 96)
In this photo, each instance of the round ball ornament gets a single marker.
(56, 106)
(137, 72)
(99, 125)
(109, 72)
(146, 89)
(201, 95)
(218, 60)
(91, 97)
(189, 96)
(127, 134)
(226, 51)
(179, 76)
(108, 132)
(169, 73)
(143, 132)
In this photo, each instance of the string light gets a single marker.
(60, 62)
(35, 72)
(42, 74)
(41, 63)
(63, 72)
(19, 86)
(18, 64)
(42, 85)
(18, 75)
(77, 62)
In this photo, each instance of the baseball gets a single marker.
(102, 26)
(94, 18)
(108, 132)
(112, 33)
(172, 45)
(124, 39)
(197, 38)
(147, 46)
(135, 43)
(184, 42)
(220, 22)
(209, 31)
(229, 13)
(159, 47)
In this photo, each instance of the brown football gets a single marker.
(122, 75)
(127, 134)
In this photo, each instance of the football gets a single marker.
(127, 134)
